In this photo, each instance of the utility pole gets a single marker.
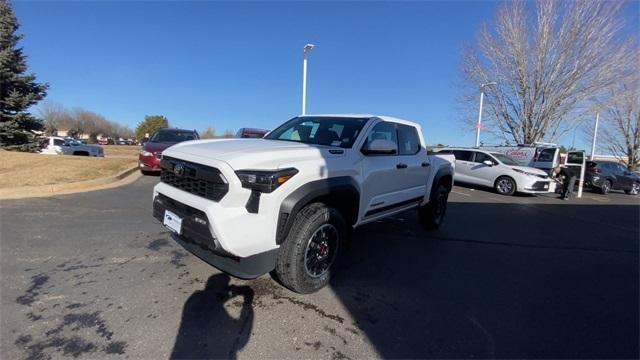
(479, 124)
(595, 135)
(306, 49)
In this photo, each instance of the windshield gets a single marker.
(505, 159)
(172, 136)
(330, 131)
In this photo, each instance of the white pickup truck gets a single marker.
(55, 145)
(287, 202)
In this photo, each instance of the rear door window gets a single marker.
(408, 142)
(463, 155)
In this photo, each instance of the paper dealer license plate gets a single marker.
(172, 221)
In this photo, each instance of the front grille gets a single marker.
(197, 179)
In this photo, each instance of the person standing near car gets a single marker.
(570, 175)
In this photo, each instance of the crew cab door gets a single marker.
(389, 182)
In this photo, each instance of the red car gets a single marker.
(251, 133)
(151, 152)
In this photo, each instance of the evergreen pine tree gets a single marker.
(18, 89)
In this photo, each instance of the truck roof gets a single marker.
(350, 115)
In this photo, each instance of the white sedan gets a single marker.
(499, 171)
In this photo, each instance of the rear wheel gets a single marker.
(606, 187)
(635, 189)
(505, 186)
(431, 215)
(306, 256)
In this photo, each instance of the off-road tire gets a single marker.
(291, 269)
(431, 214)
(504, 190)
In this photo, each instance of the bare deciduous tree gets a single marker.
(79, 121)
(549, 60)
(53, 114)
(620, 133)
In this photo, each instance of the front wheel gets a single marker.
(635, 189)
(305, 258)
(606, 187)
(505, 186)
(431, 215)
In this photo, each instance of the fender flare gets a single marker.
(305, 194)
(442, 172)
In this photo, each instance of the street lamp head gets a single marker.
(489, 83)
(308, 48)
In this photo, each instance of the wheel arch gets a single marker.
(340, 192)
(444, 177)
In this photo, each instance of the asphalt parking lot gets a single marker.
(93, 275)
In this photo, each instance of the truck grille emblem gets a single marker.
(178, 169)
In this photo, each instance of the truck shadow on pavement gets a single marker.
(497, 280)
(208, 330)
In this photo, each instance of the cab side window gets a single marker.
(58, 142)
(408, 141)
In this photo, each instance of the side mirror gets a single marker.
(380, 147)
(488, 162)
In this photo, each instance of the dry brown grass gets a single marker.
(24, 169)
(121, 150)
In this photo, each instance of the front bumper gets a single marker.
(537, 186)
(149, 163)
(197, 238)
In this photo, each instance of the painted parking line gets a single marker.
(460, 193)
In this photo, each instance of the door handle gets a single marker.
(425, 164)
(401, 166)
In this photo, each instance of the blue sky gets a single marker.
(232, 65)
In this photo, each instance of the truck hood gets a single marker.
(254, 153)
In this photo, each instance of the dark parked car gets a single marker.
(151, 153)
(608, 175)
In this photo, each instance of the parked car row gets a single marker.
(486, 166)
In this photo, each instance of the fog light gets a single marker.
(199, 220)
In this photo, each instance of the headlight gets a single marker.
(145, 153)
(265, 181)
(524, 172)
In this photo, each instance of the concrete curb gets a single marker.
(125, 177)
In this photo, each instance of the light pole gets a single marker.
(479, 124)
(595, 135)
(307, 48)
